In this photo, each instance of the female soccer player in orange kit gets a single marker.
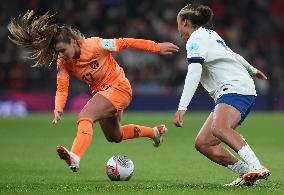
(90, 60)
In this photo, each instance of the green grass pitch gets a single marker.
(29, 164)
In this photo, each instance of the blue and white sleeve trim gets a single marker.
(199, 60)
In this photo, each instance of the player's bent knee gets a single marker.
(205, 144)
(200, 145)
(115, 139)
(83, 114)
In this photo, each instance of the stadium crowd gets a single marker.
(252, 28)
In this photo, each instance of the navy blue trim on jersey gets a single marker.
(243, 103)
(196, 60)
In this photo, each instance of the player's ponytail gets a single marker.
(199, 15)
(34, 34)
(39, 37)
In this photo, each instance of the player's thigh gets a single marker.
(225, 116)
(97, 108)
(111, 128)
(119, 94)
(205, 138)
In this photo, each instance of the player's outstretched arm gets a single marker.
(252, 70)
(191, 83)
(61, 92)
(60, 98)
(146, 45)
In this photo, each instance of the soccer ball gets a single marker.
(119, 168)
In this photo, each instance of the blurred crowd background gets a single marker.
(252, 28)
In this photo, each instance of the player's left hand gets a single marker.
(261, 75)
(57, 116)
(178, 118)
(168, 48)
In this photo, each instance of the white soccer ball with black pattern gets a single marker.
(119, 168)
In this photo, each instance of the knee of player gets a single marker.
(84, 115)
(199, 144)
(114, 139)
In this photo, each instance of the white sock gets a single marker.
(239, 167)
(249, 157)
(74, 156)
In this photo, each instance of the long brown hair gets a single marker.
(39, 37)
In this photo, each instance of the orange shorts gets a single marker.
(118, 93)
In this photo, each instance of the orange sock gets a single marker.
(133, 131)
(84, 136)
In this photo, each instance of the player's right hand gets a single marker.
(261, 75)
(178, 118)
(168, 48)
(57, 116)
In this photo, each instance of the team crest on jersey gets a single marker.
(94, 64)
(193, 47)
(108, 44)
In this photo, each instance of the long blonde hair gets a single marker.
(39, 37)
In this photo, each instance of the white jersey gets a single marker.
(222, 73)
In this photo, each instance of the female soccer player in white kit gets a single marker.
(226, 76)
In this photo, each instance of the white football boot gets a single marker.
(70, 158)
(159, 131)
(241, 182)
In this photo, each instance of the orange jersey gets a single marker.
(96, 66)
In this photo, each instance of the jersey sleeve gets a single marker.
(196, 51)
(116, 45)
(141, 44)
(251, 70)
(62, 86)
(190, 85)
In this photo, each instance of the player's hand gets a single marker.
(261, 75)
(168, 48)
(178, 118)
(57, 116)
